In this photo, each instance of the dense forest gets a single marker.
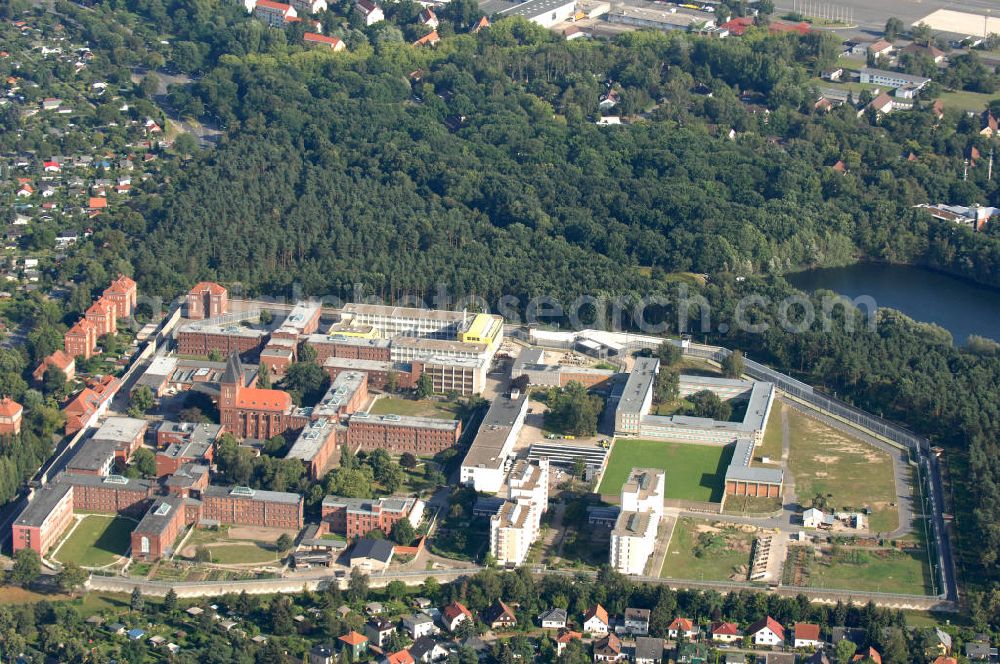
(478, 165)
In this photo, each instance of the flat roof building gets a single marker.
(317, 443)
(545, 13)
(397, 434)
(348, 393)
(484, 464)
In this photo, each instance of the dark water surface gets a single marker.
(959, 306)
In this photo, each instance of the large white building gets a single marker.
(486, 461)
(632, 541)
(545, 13)
(634, 534)
(518, 522)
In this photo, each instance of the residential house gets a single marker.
(274, 14)
(869, 654)
(882, 105)
(979, 650)
(354, 643)
(430, 39)
(595, 620)
(609, 649)
(480, 24)
(500, 616)
(398, 657)
(936, 55)
(648, 650)
(426, 649)
(820, 657)
(553, 619)
(418, 625)
(767, 632)
(682, 627)
(10, 417)
(379, 630)
(726, 632)
(310, 6)
(940, 643)
(323, 41)
(369, 11)
(564, 637)
(429, 18)
(806, 635)
(454, 615)
(689, 652)
(880, 49)
(990, 125)
(637, 621)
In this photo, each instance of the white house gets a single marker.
(553, 619)
(418, 625)
(767, 632)
(454, 615)
(682, 627)
(370, 11)
(806, 635)
(595, 620)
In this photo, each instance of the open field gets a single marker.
(724, 548)
(414, 408)
(236, 545)
(246, 552)
(98, 540)
(967, 101)
(845, 471)
(879, 571)
(694, 472)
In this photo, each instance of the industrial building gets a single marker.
(545, 13)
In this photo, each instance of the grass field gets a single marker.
(879, 571)
(98, 540)
(414, 408)
(771, 447)
(967, 101)
(694, 472)
(724, 549)
(237, 554)
(848, 472)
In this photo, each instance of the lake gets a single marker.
(959, 306)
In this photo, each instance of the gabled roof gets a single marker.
(97, 203)
(567, 635)
(681, 625)
(380, 550)
(553, 615)
(480, 24)
(400, 657)
(726, 628)
(808, 631)
(430, 38)
(454, 610)
(255, 398)
(868, 653)
(771, 624)
(610, 644)
(277, 6)
(211, 286)
(9, 407)
(314, 38)
(597, 611)
(499, 611)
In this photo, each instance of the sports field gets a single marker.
(98, 540)
(694, 472)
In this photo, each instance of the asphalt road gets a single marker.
(871, 16)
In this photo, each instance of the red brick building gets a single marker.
(81, 339)
(397, 434)
(378, 372)
(58, 359)
(123, 294)
(156, 533)
(352, 348)
(180, 443)
(109, 495)
(46, 517)
(356, 517)
(10, 417)
(207, 300)
(88, 401)
(242, 506)
(102, 314)
(316, 444)
(247, 411)
(202, 340)
(278, 355)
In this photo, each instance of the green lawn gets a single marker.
(967, 101)
(415, 407)
(878, 571)
(848, 472)
(724, 549)
(694, 472)
(98, 540)
(771, 446)
(236, 554)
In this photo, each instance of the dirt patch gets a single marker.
(819, 458)
(258, 534)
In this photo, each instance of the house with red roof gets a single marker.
(609, 649)
(738, 25)
(354, 643)
(429, 18)
(596, 621)
(780, 27)
(10, 417)
(454, 615)
(869, 654)
(323, 41)
(97, 203)
(564, 637)
(92, 399)
(400, 657)
(25, 190)
(480, 24)
(123, 293)
(430, 39)
(51, 166)
(682, 627)
(59, 360)
(726, 632)
(767, 632)
(806, 635)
